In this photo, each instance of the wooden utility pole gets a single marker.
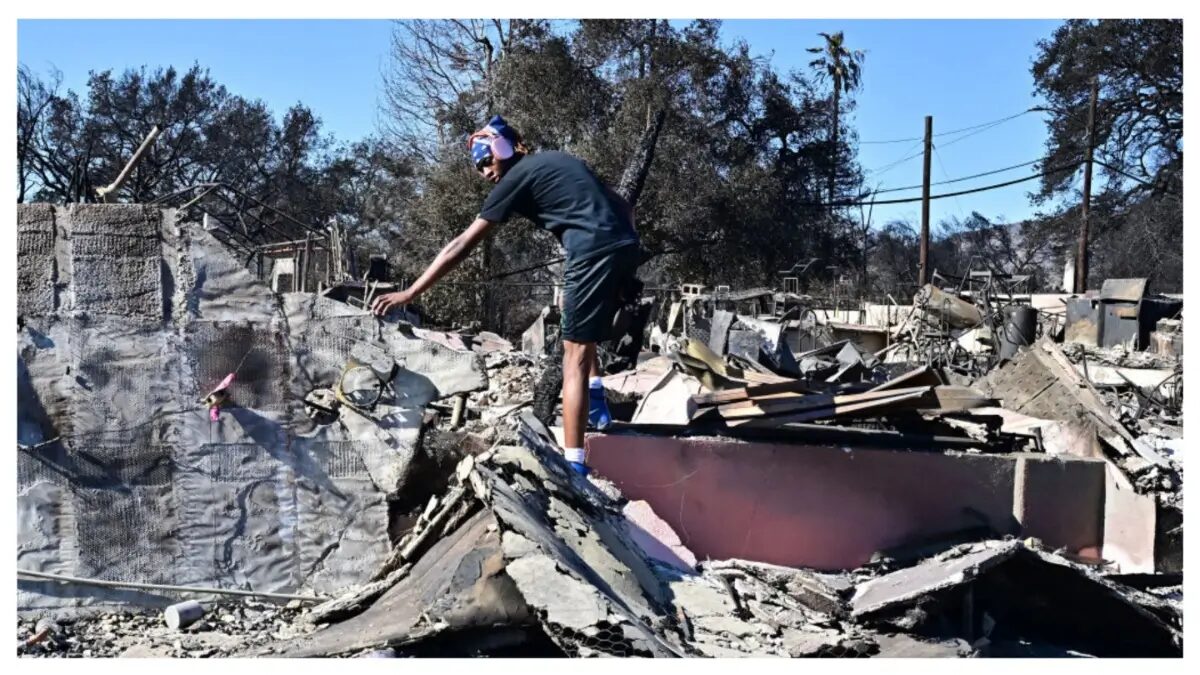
(923, 269)
(1081, 256)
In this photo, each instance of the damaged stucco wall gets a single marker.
(127, 318)
(841, 504)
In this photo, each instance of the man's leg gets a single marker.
(590, 298)
(578, 360)
(598, 415)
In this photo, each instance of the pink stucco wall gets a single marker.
(831, 507)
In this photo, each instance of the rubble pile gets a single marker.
(1143, 390)
(511, 377)
(979, 473)
(527, 548)
(226, 627)
(486, 416)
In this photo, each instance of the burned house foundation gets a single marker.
(789, 481)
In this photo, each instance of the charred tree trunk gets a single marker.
(638, 169)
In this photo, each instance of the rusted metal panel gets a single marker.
(870, 338)
(1119, 324)
(1125, 290)
(1083, 322)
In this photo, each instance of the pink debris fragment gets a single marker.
(656, 537)
(225, 382)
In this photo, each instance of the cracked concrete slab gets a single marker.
(567, 602)
(931, 576)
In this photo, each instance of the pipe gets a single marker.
(163, 587)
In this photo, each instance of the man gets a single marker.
(559, 193)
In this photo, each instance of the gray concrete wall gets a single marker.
(127, 318)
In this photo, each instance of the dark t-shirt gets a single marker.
(560, 193)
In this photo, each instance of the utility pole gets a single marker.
(1081, 256)
(923, 269)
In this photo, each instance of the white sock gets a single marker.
(596, 383)
(574, 455)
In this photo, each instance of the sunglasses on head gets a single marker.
(483, 163)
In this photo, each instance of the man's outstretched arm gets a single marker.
(449, 257)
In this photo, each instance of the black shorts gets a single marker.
(591, 293)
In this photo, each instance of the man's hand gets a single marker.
(383, 303)
(452, 254)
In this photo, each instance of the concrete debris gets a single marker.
(226, 629)
(656, 538)
(540, 332)
(997, 585)
(933, 575)
(669, 400)
(566, 553)
(568, 604)
(979, 473)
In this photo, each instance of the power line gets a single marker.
(536, 266)
(1131, 176)
(944, 195)
(945, 173)
(989, 125)
(888, 167)
(985, 188)
(955, 131)
(894, 140)
(974, 133)
(959, 180)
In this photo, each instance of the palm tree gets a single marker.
(843, 68)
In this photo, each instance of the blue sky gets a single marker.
(963, 72)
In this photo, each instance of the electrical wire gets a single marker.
(938, 156)
(910, 200)
(1131, 176)
(888, 167)
(944, 195)
(959, 180)
(955, 131)
(975, 133)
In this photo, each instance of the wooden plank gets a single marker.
(764, 378)
(753, 391)
(901, 400)
(753, 408)
(738, 396)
